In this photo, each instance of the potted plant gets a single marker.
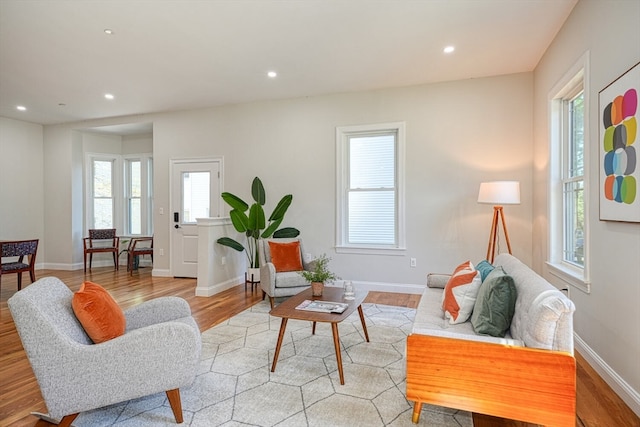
(251, 221)
(319, 274)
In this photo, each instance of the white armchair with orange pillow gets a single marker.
(87, 353)
(281, 260)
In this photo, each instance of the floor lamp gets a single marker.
(498, 193)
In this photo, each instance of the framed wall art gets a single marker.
(618, 147)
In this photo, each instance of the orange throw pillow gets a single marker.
(286, 256)
(98, 313)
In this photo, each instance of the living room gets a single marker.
(459, 133)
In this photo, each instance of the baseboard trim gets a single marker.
(157, 272)
(627, 393)
(207, 291)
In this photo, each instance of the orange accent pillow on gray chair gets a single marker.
(98, 313)
(286, 256)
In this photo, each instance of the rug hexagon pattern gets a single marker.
(235, 387)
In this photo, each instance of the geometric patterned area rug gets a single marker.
(235, 385)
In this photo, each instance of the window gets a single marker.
(127, 207)
(102, 193)
(370, 192)
(573, 181)
(568, 234)
(139, 203)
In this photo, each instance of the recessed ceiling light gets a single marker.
(272, 74)
(109, 31)
(21, 108)
(109, 96)
(449, 49)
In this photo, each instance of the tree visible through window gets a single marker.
(573, 182)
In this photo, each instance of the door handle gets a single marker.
(176, 217)
(177, 226)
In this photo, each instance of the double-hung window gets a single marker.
(568, 214)
(370, 194)
(119, 193)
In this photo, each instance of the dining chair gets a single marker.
(19, 249)
(101, 240)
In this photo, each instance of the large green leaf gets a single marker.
(281, 208)
(229, 242)
(286, 232)
(256, 217)
(273, 226)
(235, 202)
(239, 220)
(257, 191)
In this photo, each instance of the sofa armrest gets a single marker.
(268, 278)
(437, 280)
(537, 386)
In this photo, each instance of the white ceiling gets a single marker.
(56, 60)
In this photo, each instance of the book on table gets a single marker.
(323, 306)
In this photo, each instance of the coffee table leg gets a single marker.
(336, 343)
(283, 326)
(364, 325)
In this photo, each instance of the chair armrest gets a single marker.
(157, 310)
(268, 278)
(144, 361)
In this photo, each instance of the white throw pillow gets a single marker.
(460, 292)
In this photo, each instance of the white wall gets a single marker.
(607, 320)
(458, 134)
(21, 183)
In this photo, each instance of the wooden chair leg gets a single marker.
(45, 421)
(272, 301)
(176, 404)
(32, 275)
(19, 280)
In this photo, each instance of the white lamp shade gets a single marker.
(499, 193)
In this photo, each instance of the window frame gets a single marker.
(120, 191)
(343, 133)
(570, 86)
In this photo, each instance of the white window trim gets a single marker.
(567, 272)
(117, 186)
(146, 197)
(342, 158)
(119, 191)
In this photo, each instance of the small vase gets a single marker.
(316, 289)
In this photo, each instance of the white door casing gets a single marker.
(196, 185)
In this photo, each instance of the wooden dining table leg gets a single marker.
(336, 343)
(283, 327)
(364, 325)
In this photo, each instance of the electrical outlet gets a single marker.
(161, 211)
(223, 260)
(161, 252)
(413, 262)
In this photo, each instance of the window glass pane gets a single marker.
(196, 203)
(372, 161)
(372, 217)
(135, 179)
(576, 137)
(574, 223)
(102, 178)
(135, 216)
(102, 213)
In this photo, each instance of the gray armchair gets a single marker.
(158, 352)
(283, 284)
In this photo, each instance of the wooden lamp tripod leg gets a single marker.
(504, 227)
(491, 247)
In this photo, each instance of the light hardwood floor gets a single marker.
(597, 404)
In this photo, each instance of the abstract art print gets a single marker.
(619, 168)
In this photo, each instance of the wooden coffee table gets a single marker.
(287, 310)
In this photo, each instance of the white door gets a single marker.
(195, 193)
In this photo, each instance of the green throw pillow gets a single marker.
(495, 304)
